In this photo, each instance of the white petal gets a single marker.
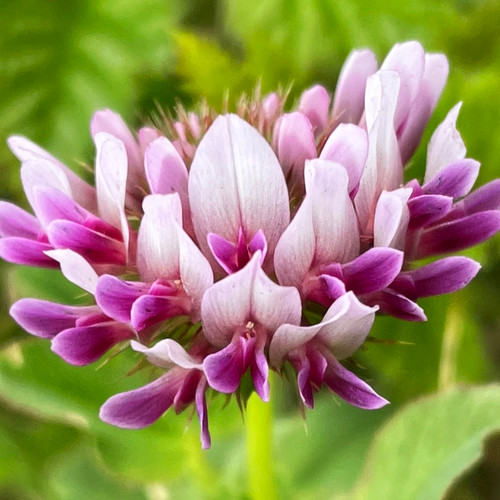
(111, 181)
(166, 353)
(236, 181)
(75, 269)
(391, 219)
(446, 145)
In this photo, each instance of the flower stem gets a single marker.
(259, 449)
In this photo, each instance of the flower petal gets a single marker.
(15, 221)
(166, 353)
(142, 407)
(396, 304)
(75, 269)
(347, 145)
(235, 182)
(372, 270)
(83, 345)
(455, 180)
(148, 310)
(391, 219)
(26, 252)
(315, 104)
(351, 388)
(446, 145)
(425, 209)
(46, 319)
(348, 103)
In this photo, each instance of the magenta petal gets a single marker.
(93, 246)
(351, 388)
(455, 180)
(149, 310)
(428, 208)
(304, 384)
(201, 409)
(14, 221)
(142, 407)
(46, 319)
(116, 297)
(334, 286)
(26, 252)
(225, 368)
(83, 345)
(372, 270)
(259, 369)
(444, 276)
(396, 304)
(458, 235)
(224, 252)
(486, 197)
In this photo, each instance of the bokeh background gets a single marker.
(59, 62)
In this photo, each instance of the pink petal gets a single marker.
(83, 345)
(348, 145)
(247, 295)
(26, 252)
(348, 104)
(315, 104)
(444, 276)
(225, 368)
(455, 180)
(487, 197)
(426, 209)
(235, 182)
(408, 60)
(391, 219)
(14, 221)
(373, 270)
(149, 310)
(432, 84)
(351, 388)
(91, 245)
(116, 297)
(459, 234)
(294, 143)
(446, 146)
(396, 304)
(259, 371)
(166, 173)
(142, 407)
(201, 409)
(46, 319)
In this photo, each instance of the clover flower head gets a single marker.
(273, 237)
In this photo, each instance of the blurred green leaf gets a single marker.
(425, 446)
(61, 61)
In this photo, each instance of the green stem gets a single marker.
(259, 449)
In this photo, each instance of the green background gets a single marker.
(59, 62)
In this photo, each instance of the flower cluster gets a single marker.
(208, 250)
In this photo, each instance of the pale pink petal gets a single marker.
(348, 145)
(146, 136)
(333, 217)
(293, 142)
(166, 353)
(26, 252)
(432, 84)
(295, 250)
(75, 269)
(111, 181)
(383, 166)
(166, 173)
(235, 182)
(408, 60)
(27, 151)
(158, 242)
(348, 103)
(391, 219)
(446, 145)
(315, 104)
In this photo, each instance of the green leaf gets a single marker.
(62, 61)
(418, 453)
